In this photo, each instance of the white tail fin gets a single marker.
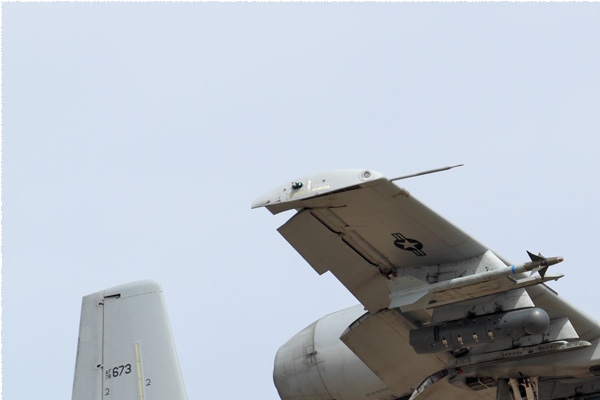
(125, 348)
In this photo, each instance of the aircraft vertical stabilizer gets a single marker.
(125, 348)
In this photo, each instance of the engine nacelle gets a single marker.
(479, 330)
(316, 365)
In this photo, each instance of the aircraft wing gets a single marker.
(383, 244)
(423, 280)
(360, 226)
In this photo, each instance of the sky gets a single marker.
(135, 137)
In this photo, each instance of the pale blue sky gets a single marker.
(136, 136)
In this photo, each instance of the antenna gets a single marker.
(431, 171)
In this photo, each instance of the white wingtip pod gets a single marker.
(287, 196)
(125, 348)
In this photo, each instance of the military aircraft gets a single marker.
(441, 315)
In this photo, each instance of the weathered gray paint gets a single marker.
(126, 349)
(409, 267)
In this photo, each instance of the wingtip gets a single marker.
(286, 195)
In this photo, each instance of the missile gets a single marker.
(427, 295)
(540, 264)
(544, 262)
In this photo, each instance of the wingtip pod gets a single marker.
(287, 196)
